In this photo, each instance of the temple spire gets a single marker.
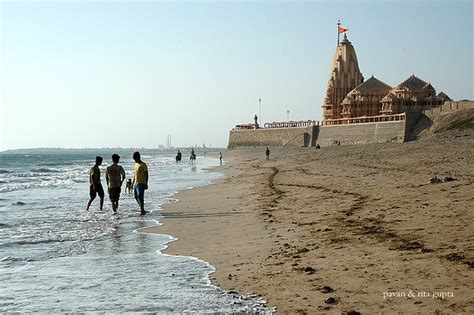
(345, 76)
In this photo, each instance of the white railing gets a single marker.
(292, 124)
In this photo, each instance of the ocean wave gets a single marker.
(19, 203)
(9, 258)
(41, 182)
(34, 242)
(5, 171)
(80, 180)
(73, 240)
(45, 170)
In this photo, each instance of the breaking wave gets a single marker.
(45, 170)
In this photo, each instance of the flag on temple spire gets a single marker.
(342, 29)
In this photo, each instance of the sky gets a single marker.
(77, 74)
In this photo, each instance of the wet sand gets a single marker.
(338, 229)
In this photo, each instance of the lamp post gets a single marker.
(288, 115)
(260, 110)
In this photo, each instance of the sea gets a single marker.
(57, 257)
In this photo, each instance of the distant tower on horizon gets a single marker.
(344, 77)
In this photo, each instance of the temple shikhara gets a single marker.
(351, 99)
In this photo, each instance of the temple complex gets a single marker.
(350, 99)
(355, 111)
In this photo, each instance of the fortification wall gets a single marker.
(323, 135)
(296, 136)
(448, 107)
(387, 131)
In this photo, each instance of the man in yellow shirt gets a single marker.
(140, 181)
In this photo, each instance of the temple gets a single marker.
(350, 99)
(356, 110)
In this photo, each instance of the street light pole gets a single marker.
(288, 115)
(260, 110)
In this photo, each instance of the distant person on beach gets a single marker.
(220, 157)
(267, 154)
(140, 181)
(95, 187)
(178, 157)
(114, 175)
(129, 186)
(192, 157)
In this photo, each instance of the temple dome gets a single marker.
(412, 83)
(372, 85)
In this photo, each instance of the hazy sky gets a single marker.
(128, 73)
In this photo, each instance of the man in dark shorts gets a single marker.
(95, 185)
(114, 175)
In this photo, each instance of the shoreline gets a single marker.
(309, 229)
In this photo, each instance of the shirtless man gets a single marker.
(115, 175)
(95, 187)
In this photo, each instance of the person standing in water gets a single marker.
(114, 175)
(220, 157)
(95, 187)
(178, 157)
(140, 181)
(128, 186)
(192, 157)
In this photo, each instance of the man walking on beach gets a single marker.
(140, 181)
(267, 153)
(115, 175)
(95, 185)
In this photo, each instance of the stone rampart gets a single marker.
(448, 107)
(387, 131)
(323, 135)
(296, 136)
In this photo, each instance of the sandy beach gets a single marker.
(345, 228)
